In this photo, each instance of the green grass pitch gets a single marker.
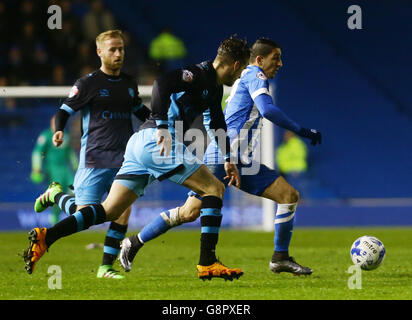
(165, 268)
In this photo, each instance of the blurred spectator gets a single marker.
(36, 55)
(34, 12)
(3, 81)
(97, 20)
(65, 43)
(291, 155)
(167, 50)
(8, 115)
(85, 56)
(59, 76)
(27, 12)
(134, 55)
(7, 104)
(86, 70)
(27, 40)
(291, 160)
(15, 66)
(41, 66)
(67, 14)
(33, 54)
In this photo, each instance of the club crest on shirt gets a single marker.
(204, 65)
(260, 75)
(104, 92)
(74, 90)
(187, 76)
(131, 92)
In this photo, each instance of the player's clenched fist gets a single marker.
(313, 135)
(58, 138)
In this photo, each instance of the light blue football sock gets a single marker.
(163, 222)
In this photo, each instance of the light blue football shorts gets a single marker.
(91, 184)
(142, 158)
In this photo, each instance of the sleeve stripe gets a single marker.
(161, 122)
(66, 108)
(259, 92)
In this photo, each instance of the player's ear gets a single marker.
(236, 65)
(259, 60)
(99, 51)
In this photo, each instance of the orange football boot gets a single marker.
(36, 248)
(218, 270)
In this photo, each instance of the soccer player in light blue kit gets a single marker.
(248, 104)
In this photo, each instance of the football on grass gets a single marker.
(367, 252)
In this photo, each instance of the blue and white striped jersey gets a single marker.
(242, 117)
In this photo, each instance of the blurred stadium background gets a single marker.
(352, 85)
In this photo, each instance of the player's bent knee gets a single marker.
(124, 217)
(293, 196)
(217, 189)
(282, 192)
(190, 211)
(112, 212)
(190, 215)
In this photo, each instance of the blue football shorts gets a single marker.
(250, 181)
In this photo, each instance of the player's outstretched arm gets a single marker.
(271, 112)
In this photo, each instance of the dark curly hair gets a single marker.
(234, 48)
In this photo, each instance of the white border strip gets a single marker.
(59, 91)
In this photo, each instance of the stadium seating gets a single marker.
(352, 85)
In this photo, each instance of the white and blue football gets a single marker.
(367, 252)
